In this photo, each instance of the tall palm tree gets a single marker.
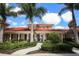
(4, 12)
(72, 7)
(30, 10)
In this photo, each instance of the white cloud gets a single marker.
(16, 26)
(51, 18)
(60, 27)
(23, 23)
(23, 26)
(67, 16)
(7, 4)
(9, 21)
(14, 23)
(21, 15)
(16, 9)
(35, 22)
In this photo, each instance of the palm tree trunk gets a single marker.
(74, 27)
(2, 28)
(1, 35)
(31, 40)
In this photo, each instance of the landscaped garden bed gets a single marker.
(54, 44)
(10, 47)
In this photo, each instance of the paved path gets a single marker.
(27, 50)
(52, 54)
(1, 54)
(37, 47)
(75, 50)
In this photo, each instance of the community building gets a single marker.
(41, 32)
(23, 33)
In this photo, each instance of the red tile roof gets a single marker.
(17, 29)
(37, 29)
(27, 29)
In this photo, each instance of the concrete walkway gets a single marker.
(1, 54)
(24, 52)
(75, 50)
(27, 50)
(53, 54)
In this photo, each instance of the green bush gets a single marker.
(32, 44)
(21, 44)
(68, 40)
(64, 47)
(8, 45)
(54, 37)
(56, 47)
(73, 44)
(47, 45)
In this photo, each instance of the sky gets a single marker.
(51, 17)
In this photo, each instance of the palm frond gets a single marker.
(30, 10)
(72, 24)
(40, 12)
(76, 6)
(62, 10)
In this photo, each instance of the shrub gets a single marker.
(47, 45)
(69, 40)
(8, 45)
(54, 37)
(64, 47)
(56, 47)
(74, 44)
(32, 44)
(21, 44)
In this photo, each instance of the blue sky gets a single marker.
(51, 8)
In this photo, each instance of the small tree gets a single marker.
(54, 37)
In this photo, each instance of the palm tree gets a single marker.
(4, 12)
(30, 10)
(72, 24)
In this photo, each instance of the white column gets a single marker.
(10, 37)
(35, 37)
(18, 37)
(1, 35)
(40, 37)
(27, 36)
